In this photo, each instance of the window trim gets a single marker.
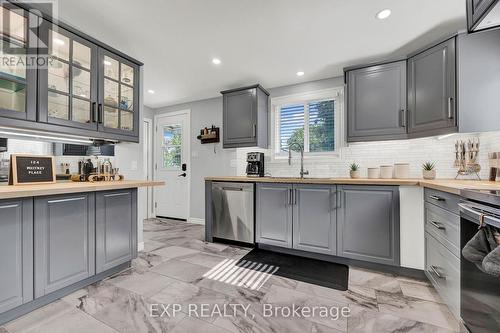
(337, 94)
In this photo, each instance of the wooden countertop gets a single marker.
(19, 191)
(446, 185)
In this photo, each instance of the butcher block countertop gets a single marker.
(446, 185)
(19, 191)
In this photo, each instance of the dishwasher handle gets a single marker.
(232, 189)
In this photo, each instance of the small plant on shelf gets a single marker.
(354, 170)
(429, 170)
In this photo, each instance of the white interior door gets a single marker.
(171, 165)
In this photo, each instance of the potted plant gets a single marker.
(354, 170)
(428, 170)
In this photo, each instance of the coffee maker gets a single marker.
(255, 164)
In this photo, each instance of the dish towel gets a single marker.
(479, 246)
(491, 263)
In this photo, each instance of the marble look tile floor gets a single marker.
(173, 268)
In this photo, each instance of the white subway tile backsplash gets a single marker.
(373, 154)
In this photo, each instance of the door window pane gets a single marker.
(127, 120)
(81, 111)
(81, 82)
(110, 93)
(127, 97)
(172, 143)
(12, 96)
(81, 55)
(127, 74)
(58, 106)
(58, 45)
(110, 117)
(13, 67)
(58, 75)
(16, 27)
(111, 68)
(291, 126)
(321, 126)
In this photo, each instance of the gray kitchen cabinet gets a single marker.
(478, 80)
(431, 91)
(116, 228)
(16, 252)
(368, 223)
(482, 14)
(64, 241)
(314, 218)
(376, 102)
(273, 209)
(245, 117)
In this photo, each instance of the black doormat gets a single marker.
(322, 273)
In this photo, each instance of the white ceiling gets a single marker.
(265, 41)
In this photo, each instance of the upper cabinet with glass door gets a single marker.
(17, 68)
(68, 86)
(118, 94)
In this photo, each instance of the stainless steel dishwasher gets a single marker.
(233, 211)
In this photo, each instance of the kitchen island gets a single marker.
(58, 238)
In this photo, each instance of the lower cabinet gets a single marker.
(273, 208)
(297, 216)
(116, 228)
(368, 223)
(314, 218)
(16, 252)
(64, 241)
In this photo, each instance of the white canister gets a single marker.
(402, 170)
(386, 171)
(373, 173)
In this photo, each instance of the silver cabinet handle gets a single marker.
(435, 271)
(232, 189)
(437, 225)
(450, 108)
(339, 199)
(254, 130)
(334, 200)
(402, 118)
(295, 196)
(435, 197)
(290, 197)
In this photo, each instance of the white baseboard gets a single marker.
(140, 246)
(196, 220)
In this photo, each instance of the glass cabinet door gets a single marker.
(17, 71)
(70, 81)
(118, 94)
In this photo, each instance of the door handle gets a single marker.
(450, 108)
(182, 175)
(436, 272)
(402, 118)
(254, 130)
(295, 196)
(94, 110)
(99, 113)
(226, 188)
(437, 225)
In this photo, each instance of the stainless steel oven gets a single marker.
(479, 284)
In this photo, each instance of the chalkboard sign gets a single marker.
(25, 169)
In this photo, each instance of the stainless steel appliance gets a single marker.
(233, 211)
(479, 285)
(255, 164)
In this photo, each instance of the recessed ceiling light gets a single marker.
(58, 41)
(151, 91)
(216, 61)
(107, 63)
(383, 14)
(300, 73)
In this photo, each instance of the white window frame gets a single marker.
(337, 94)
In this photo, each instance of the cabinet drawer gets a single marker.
(444, 226)
(444, 200)
(443, 270)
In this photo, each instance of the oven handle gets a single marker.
(481, 218)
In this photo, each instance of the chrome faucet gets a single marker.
(302, 172)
